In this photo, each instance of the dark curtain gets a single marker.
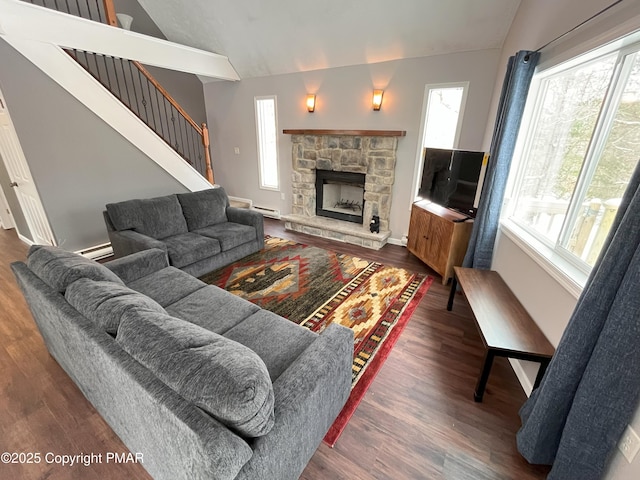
(512, 100)
(591, 389)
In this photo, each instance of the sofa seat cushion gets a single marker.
(167, 286)
(188, 248)
(276, 340)
(222, 377)
(212, 308)
(229, 234)
(204, 208)
(59, 268)
(106, 302)
(159, 217)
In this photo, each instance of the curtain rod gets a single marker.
(578, 26)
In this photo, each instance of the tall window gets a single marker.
(579, 148)
(267, 128)
(442, 118)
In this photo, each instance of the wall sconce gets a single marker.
(311, 102)
(125, 20)
(377, 99)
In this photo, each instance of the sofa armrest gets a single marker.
(126, 242)
(308, 397)
(247, 217)
(139, 264)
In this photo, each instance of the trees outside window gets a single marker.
(580, 146)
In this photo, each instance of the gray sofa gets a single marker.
(203, 383)
(199, 230)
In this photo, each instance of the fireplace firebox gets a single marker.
(340, 195)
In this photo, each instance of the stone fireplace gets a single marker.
(372, 154)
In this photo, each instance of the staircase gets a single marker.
(129, 82)
(136, 88)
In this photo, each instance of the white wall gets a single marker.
(343, 102)
(536, 23)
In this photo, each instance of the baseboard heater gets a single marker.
(240, 202)
(98, 252)
(267, 212)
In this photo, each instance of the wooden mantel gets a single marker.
(358, 133)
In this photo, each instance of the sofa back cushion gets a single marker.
(59, 268)
(204, 208)
(105, 302)
(158, 217)
(223, 377)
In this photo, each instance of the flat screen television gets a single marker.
(451, 179)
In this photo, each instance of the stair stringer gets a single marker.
(66, 72)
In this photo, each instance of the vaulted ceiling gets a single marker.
(283, 36)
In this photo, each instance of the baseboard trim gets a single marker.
(24, 239)
(396, 241)
(525, 383)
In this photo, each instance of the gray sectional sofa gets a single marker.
(203, 383)
(199, 230)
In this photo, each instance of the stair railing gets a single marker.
(135, 87)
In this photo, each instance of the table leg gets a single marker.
(484, 376)
(452, 293)
(541, 371)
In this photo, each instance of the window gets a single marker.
(577, 152)
(442, 119)
(267, 128)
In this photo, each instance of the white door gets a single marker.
(6, 219)
(21, 180)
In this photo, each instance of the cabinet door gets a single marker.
(439, 243)
(418, 230)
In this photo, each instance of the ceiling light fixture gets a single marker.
(377, 99)
(311, 102)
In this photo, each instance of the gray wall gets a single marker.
(12, 200)
(186, 88)
(78, 162)
(343, 102)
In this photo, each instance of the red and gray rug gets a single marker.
(314, 287)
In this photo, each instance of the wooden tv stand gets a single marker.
(438, 236)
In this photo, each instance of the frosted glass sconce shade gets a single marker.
(377, 99)
(311, 102)
(125, 20)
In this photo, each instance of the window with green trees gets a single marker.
(578, 150)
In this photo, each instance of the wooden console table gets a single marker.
(507, 330)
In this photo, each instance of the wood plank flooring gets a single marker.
(418, 419)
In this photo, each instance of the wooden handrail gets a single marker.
(110, 13)
(166, 95)
(112, 20)
(207, 155)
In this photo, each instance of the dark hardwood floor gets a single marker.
(418, 419)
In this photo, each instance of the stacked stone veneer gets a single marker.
(373, 156)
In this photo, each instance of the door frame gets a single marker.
(34, 213)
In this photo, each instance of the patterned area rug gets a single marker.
(314, 287)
